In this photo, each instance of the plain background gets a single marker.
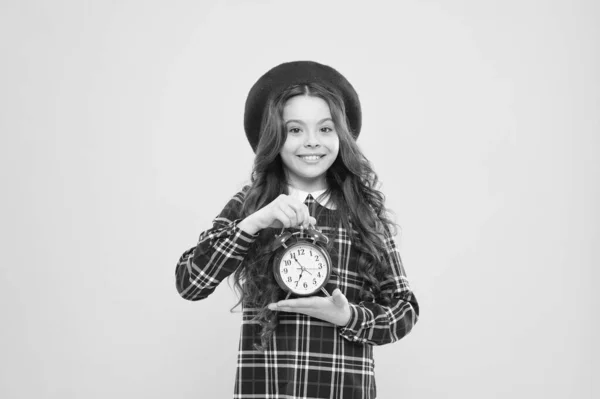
(121, 139)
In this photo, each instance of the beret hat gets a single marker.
(279, 78)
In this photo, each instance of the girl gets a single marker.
(302, 120)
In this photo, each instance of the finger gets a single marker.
(291, 213)
(283, 217)
(298, 303)
(339, 299)
(277, 224)
(306, 311)
(300, 210)
(288, 303)
(337, 296)
(305, 216)
(308, 220)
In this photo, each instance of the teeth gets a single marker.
(311, 157)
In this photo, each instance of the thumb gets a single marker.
(276, 224)
(338, 298)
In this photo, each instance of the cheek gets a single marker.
(334, 145)
(288, 147)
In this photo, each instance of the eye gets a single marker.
(294, 130)
(326, 129)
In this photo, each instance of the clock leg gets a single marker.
(325, 291)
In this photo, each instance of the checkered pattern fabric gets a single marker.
(309, 201)
(308, 358)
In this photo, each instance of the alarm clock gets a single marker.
(302, 266)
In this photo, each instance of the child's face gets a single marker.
(312, 143)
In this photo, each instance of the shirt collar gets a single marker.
(301, 195)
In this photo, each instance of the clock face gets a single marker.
(303, 268)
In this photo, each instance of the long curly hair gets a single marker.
(352, 188)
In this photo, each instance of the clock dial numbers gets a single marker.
(302, 269)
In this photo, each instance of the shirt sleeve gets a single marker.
(376, 324)
(219, 252)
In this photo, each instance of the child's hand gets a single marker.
(334, 309)
(283, 211)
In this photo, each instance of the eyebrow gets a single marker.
(302, 122)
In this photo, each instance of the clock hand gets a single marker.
(304, 269)
(301, 273)
(300, 277)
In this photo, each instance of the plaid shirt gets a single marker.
(308, 358)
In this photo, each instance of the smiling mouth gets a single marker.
(311, 157)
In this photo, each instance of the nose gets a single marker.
(311, 139)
